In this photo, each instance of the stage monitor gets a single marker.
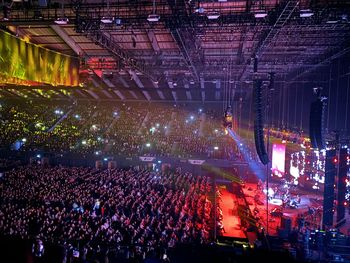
(278, 159)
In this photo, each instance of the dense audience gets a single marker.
(6, 164)
(145, 212)
(123, 129)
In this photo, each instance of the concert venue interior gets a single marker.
(174, 131)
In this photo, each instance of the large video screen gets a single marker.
(278, 159)
(26, 63)
(308, 165)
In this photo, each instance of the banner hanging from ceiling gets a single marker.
(29, 64)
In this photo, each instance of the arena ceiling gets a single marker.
(196, 51)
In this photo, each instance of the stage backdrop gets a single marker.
(29, 64)
(278, 159)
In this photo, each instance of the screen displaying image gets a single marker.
(278, 159)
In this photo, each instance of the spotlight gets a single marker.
(335, 160)
(332, 20)
(62, 21)
(260, 14)
(153, 18)
(306, 13)
(344, 18)
(107, 20)
(199, 10)
(213, 16)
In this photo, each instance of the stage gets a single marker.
(231, 220)
(310, 207)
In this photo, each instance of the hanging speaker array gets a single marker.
(316, 130)
(259, 122)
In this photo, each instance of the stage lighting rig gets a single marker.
(62, 21)
(153, 17)
(228, 118)
(107, 20)
(305, 13)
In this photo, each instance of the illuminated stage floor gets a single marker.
(231, 220)
(307, 200)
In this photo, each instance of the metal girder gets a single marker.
(173, 93)
(280, 22)
(322, 63)
(161, 94)
(273, 32)
(123, 81)
(107, 41)
(188, 95)
(92, 94)
(146, 94)
(136, 79)
(67, 39)
(179, 40)
(153, 40)
(136, 12)
(119, 94)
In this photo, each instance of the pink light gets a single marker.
(278, 159)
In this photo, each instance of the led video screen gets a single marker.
(26, 63)
(278, 159)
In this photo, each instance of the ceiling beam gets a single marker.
(108, 42)
(108, 83)
(217, 95)
(270, 36)
(153, 40)
(322, 63)
(136, 79)
(184, 52)
(161, 94)
(218, 84)
(107, 94)
(133, 94)
(67, 39)
(123, 81)
(188, 95)
(119, 94)
(92, 94)
(202, 82)
(146, 94)
(173, 93)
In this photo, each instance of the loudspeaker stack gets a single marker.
(259, 123)
(317, 124)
